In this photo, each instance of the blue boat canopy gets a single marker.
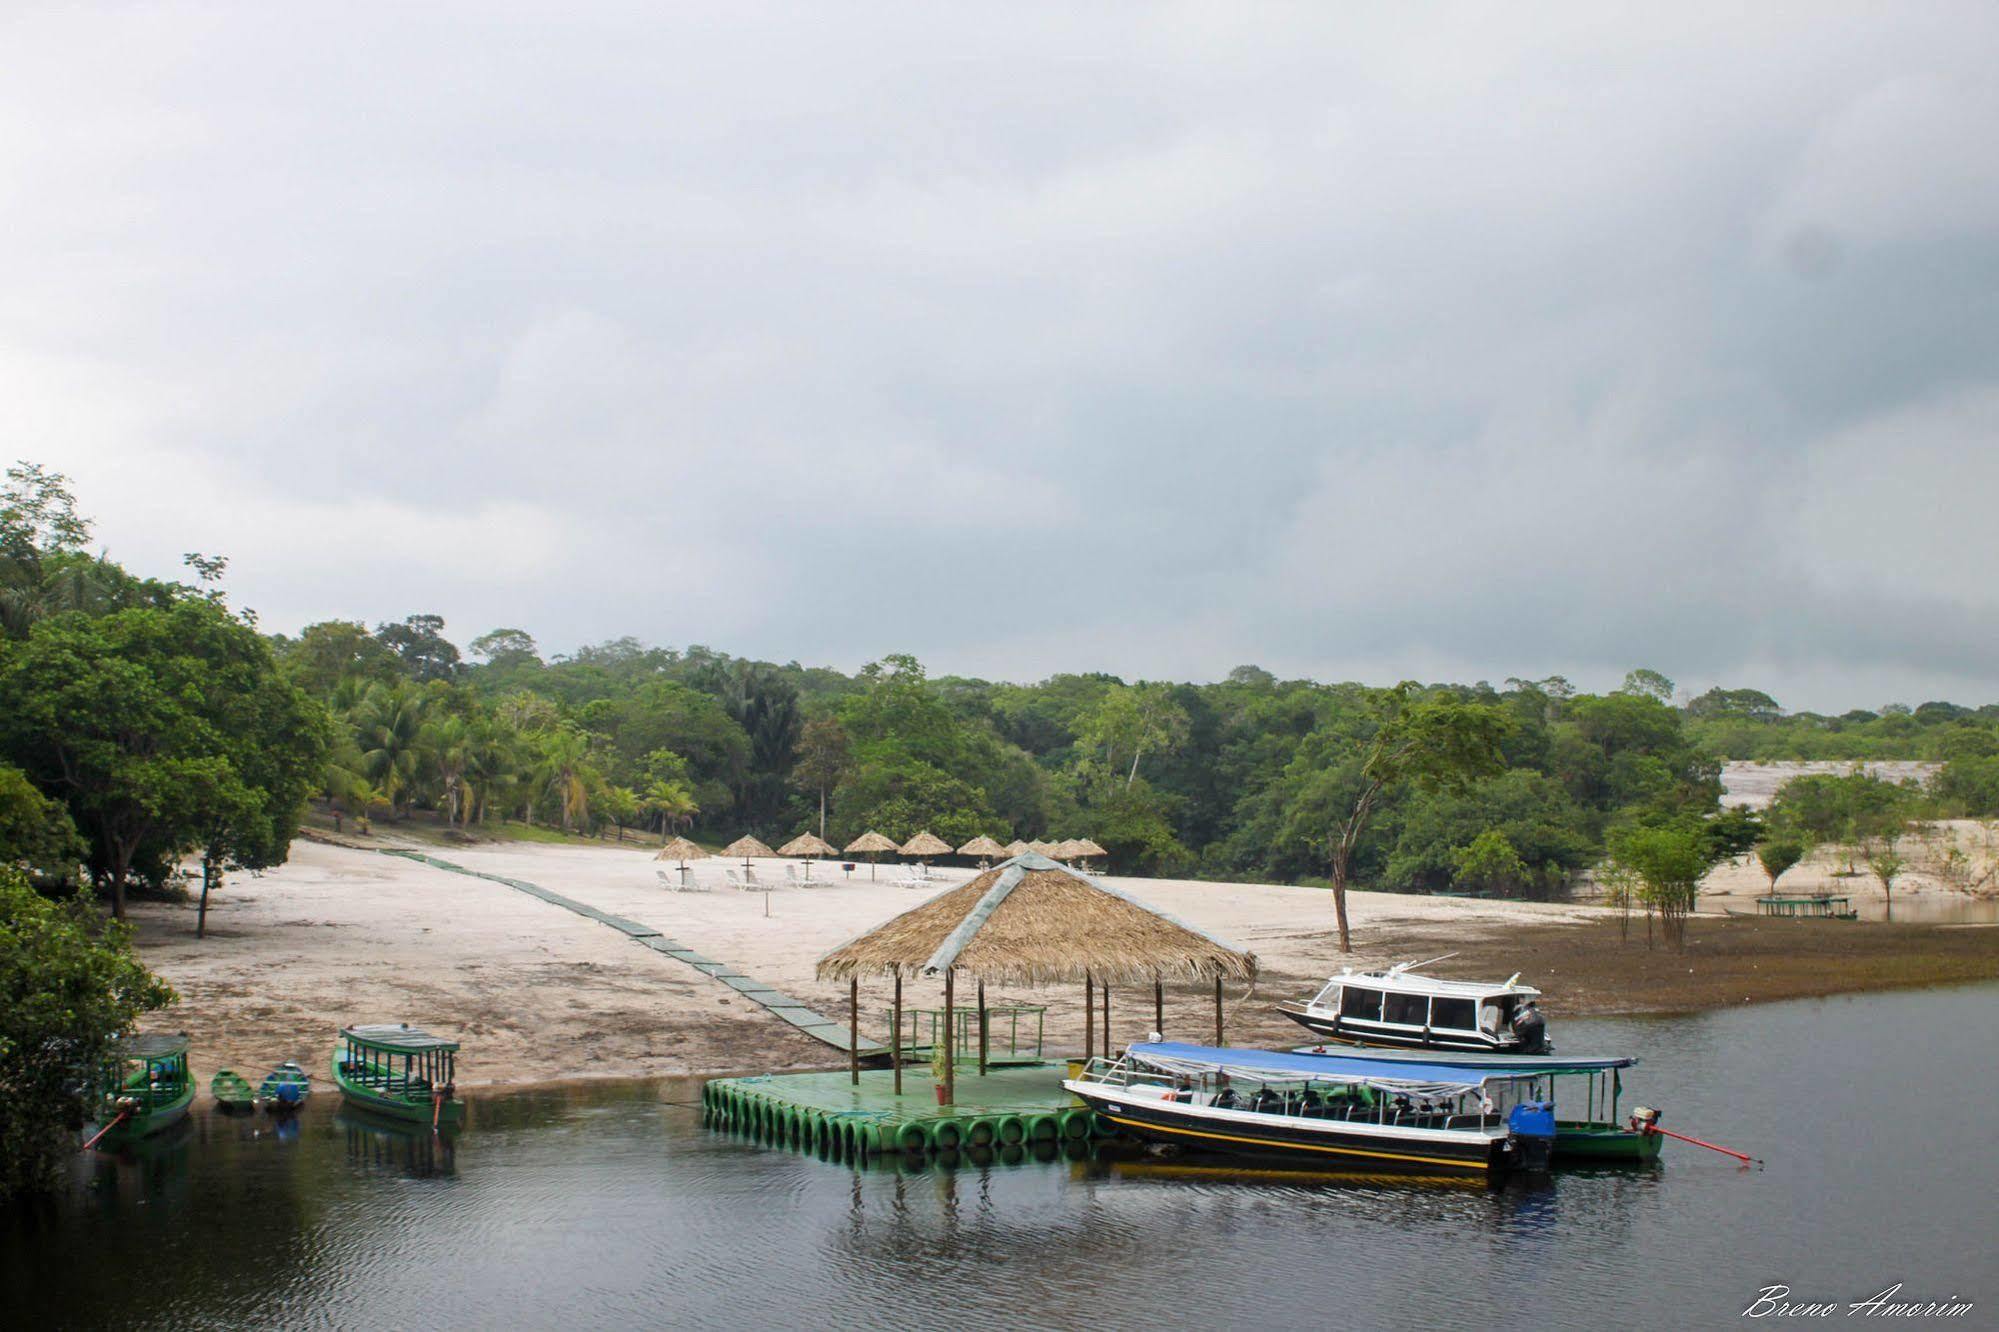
(1551, 1064)
(1422, 1076)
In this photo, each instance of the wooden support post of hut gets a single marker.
(1089, 1017)
(1030, 921)
(895, 1035)
(950, 1065)
(1159, 1007)
(854, 1029)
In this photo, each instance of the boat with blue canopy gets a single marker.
(1598, 1136)
(1376, 1113)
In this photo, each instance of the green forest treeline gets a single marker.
(142, 722)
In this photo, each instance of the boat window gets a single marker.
(1409, 1009)
(1458, 1013)
(1358, 1003)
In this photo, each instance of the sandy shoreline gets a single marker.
(541, 995)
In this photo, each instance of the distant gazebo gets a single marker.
(1031, 921)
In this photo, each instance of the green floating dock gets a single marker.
(1023, 1106)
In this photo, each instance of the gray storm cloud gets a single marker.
(1457, 342)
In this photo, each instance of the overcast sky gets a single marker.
(1355, 342)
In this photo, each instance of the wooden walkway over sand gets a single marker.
(779, 1005)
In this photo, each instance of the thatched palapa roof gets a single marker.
(681, 849)
(1086, 847)
(1042, 848)
(1069, 850)
(926, 844)
(982, 846)
(745, 847)
(870, 842)
(1031, 921)
(1017, 847)
(807, 845)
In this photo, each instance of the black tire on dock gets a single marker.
(1076, 1124)
(1043, 1128)
(913, 1137)
(947, 1135)
(981, 1132)
(1010, 1130)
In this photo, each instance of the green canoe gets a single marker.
(232, 1091)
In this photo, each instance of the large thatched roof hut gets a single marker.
(1030, 921)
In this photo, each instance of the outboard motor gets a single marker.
(1530, 1135)
(1531, 1029)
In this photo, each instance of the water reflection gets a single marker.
(615, 1206)
(380, 1144)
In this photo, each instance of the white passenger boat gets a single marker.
(1403, 1007)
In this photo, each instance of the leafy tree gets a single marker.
(1648, 684)
(332, 651)
(1753, 704)
(1886, 863)
(1134, 720)
(37, 835)
(1438, 742)
(1667, 863)
(69, 986)
(824, 753)
(128, 718)
(506, 647)
(1778, 855)
(420, 644)
(1489, 863)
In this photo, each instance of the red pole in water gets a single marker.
(1740, 1156)
(122, 1116)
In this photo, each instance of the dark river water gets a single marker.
(615, 1206)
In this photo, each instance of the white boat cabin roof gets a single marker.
(1415, 982)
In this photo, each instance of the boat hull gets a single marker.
(149, 1122)
(1321, 1142)
(425, 1111)
(1577, 1143)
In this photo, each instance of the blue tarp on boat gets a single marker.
(1276, 1066)
(1471, 1059)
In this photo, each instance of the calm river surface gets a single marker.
(614, 1206)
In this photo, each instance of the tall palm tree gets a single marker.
(566, 773)
(389, 729)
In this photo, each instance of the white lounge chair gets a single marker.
(751, 880)
(735, 877)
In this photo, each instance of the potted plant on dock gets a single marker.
(940, 1067)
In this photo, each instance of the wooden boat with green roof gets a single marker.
(232, 1091)
(397, 1070)
(145, 1087)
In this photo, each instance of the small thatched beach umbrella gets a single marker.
(1085, 849)
(1068, 850)
(1043, 848)
(747, 847)
(926, 844)
(682, 850)
(870, 844)
(985, 848)
(808, 846)
(1033, 922)
(1017, 847)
